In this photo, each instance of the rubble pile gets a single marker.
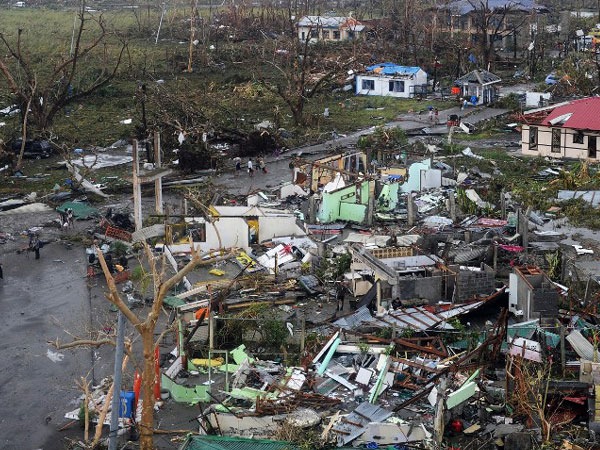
(387, 305)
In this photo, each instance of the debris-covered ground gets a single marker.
(439, 294)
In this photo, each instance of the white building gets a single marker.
(323, 28)
(388, 79)
(565, 130)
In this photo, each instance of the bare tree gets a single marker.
(42, 94)
(145, 326)
(492, 23)
(300, 72)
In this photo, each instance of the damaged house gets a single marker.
(532, 294)
(343, 192)
(564, 130)
(480, 85)
(239, 227)
(324, 28)
(392, 80)
(399, 273)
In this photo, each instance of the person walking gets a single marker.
(1, 273)
(261, 165)
(340, 295)
(436, 118)
(250, 168)
(430, 114)
(238, 166)
(70, 218)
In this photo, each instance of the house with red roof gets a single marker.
(565, 130)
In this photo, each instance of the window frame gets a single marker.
(555, 140)
(533, 138)
(371, 84)
(394, 83)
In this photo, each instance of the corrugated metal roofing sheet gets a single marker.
(359, 317)
(592, 197)
(478, 76)
(584, 114)
(581, 345)
(353, 425)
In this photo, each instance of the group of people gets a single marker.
(260, 164)
(434, 115)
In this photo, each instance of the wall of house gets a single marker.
(545, 300)
(278, 226)
(470, 283)
(569, 149)
(328, 34)
(382, 86)
(426, 288)
(535, 294)
(413, 180)
(348, 204)
(232, 230)
(388, 197)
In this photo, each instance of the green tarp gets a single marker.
(239, 443)
(173, 302)
(80, 210)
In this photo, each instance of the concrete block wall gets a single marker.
(471, 283)
(426, 288)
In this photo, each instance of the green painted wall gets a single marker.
(342, 204)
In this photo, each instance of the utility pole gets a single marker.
(192, 35)
(116, 398)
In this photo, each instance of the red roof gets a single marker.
(584, 115)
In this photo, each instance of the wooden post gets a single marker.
(410, 206)
(137, 188)
(452, 206)
(438, 420)
(158, 198)
(302, 335)
(563, 362)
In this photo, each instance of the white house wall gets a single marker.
(382, 85)
(568, 148)
(277, 226)
(326, 33)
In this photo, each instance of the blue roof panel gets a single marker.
(388, 68)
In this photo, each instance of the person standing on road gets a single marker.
(436, 118)
(250, 168)
(1, 273)
(34, 245)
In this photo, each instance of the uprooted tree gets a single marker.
(42, 86)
